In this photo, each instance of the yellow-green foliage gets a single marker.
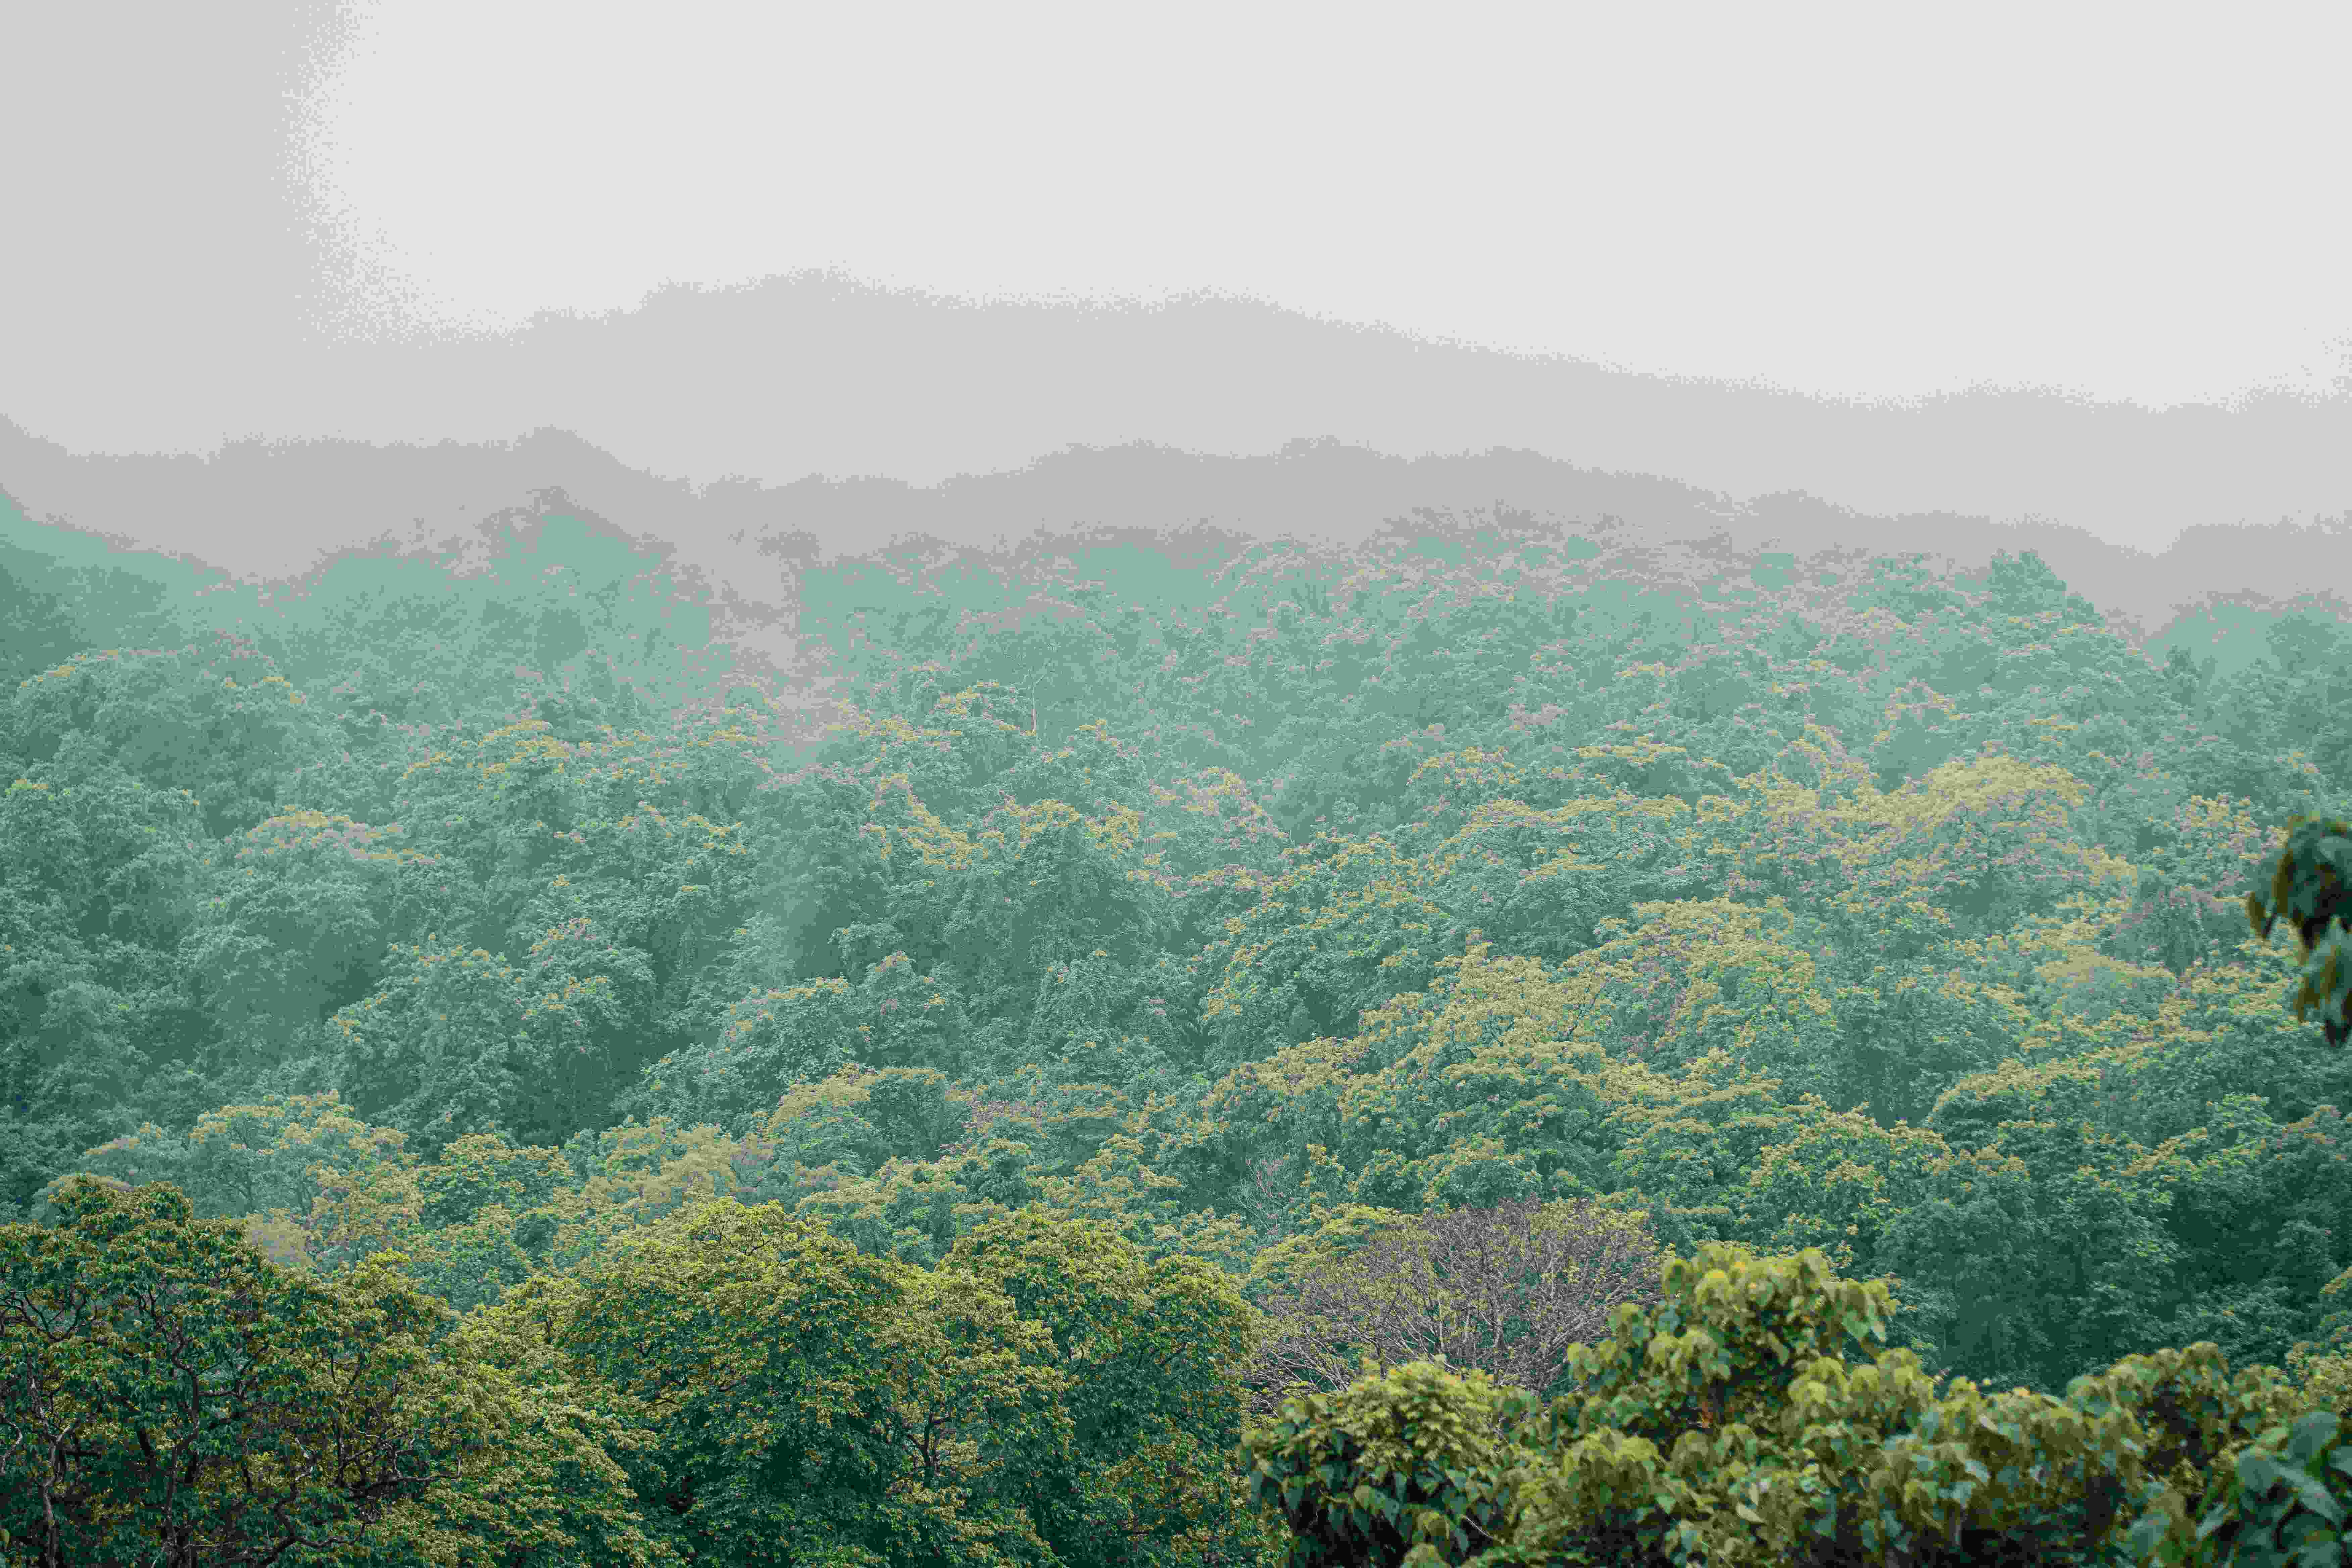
(1757, 1415)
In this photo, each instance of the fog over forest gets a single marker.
(820, 923)
(1094, 999)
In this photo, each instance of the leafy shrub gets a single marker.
(1756, 1415)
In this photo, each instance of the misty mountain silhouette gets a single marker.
(810, 416)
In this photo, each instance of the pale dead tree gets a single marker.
(1506, 1290)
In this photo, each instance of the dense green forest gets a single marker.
(493, 1077)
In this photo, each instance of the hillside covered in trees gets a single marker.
(954, 1101)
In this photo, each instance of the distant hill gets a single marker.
(818, 374)
(263, 511)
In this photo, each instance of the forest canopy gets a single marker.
(989, 1094)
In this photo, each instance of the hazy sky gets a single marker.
(2134, 201)
(323, 218)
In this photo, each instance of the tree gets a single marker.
(1150, 1351)
(215, 718)
(1756, 1416)
(98, 871)
(1506, 1290)
(169, 1396)
(289, 927)
(39, 631)
(2310, 888)
(1414, 1464)
(804, 1404)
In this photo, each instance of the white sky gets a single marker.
(2126, 201)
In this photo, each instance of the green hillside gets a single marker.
(1182, 977)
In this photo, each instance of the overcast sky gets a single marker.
(2137, 201)
(2134, 203)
